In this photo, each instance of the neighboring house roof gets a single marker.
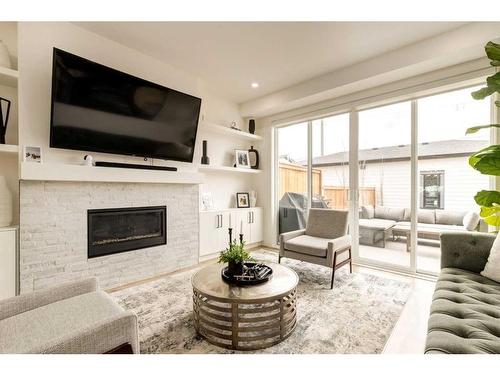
(431, 150)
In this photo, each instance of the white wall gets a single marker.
(392, 181)
(36, 42)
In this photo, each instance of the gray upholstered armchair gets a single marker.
(72, 318)
(324, 241)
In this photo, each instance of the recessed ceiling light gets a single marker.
(254, 85)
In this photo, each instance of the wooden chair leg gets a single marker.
(350, 261)
(333, 269)
(279, 258)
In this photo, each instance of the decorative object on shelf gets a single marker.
(88, 160)
(251, 126)
(234, 126)
(205, 159)
(254, 158)
(4, 118)
(5, 203)
(207, 201)
(32, 154)
(242, 200)
(242, 159)
(5, 56)
(253, 198)
(235, 256)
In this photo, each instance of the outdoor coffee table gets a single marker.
(245, 318)
(405, 231)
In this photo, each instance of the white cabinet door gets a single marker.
(210, 223)
(223, 235)
(7, 263)
(257, 226)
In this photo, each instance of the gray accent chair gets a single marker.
(72, 318)
(324, 241)
(465, 310)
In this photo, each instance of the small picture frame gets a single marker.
(32, 154)
(207, 201)
(242, 200)
(242, 159)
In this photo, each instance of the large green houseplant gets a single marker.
(487, 160)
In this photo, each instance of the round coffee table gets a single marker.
(245, 318)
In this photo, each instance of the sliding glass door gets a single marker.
(400, 169)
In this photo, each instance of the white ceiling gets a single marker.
(229, 56)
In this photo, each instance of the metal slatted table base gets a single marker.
(245, 323)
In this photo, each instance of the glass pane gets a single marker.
(330, 174)
(292, 184)
(447, 182)
(384, 183)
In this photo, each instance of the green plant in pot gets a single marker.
(487, 160)
(235, 256)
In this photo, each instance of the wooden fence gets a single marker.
(293, 179)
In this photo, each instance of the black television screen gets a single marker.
(99, 109)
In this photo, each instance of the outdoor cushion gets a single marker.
(423, 216)
(29, 331)
(379, 224)
(432, 227)
(389, 213)
(309, 245)
(367, 212)
(471, 220)
(465, 314)
(449, 217)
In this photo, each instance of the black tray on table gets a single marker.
(253, 274)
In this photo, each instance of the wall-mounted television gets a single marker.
(99, 109)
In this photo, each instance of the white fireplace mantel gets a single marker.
(69, 172)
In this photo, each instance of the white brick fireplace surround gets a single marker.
(53, 231)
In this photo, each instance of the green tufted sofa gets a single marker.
(465, 310)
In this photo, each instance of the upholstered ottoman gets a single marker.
(465, 312)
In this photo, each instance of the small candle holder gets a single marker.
(230, 230)
(241, 237)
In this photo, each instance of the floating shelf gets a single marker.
(8, 77)
(10, 149)
(228, 131)
(70, 172)
(214, 168)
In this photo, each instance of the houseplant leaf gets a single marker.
(483, 92)
(487, 198)
(491, 215)
(475, 129)
(487, 160)
(493, 52)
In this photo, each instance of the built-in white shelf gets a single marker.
(8, 77)
(215, 168)
(11, 149)
(70, 172)
(228, 131)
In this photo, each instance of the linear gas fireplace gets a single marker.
(116, 230)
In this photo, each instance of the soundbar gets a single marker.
(133, 166)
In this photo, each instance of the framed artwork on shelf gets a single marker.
(32, 154)
(242, 159)
(242, 200)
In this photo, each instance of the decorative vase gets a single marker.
(4, 56)
(234, 269)
(254, 158)
(5, 204)
(251, 126)
(205, 159)
(4, 118)
(253, 198)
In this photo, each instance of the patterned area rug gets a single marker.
(357, 316)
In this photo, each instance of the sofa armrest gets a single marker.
(30, 301)
(467, 251)
(288, 236)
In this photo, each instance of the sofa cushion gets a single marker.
(423, 216)
(389, 213)
(367, 212)
(492, 267)
(465, 314)
(315, 246)
(379, 224)
(32, 330)
(449, 217)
